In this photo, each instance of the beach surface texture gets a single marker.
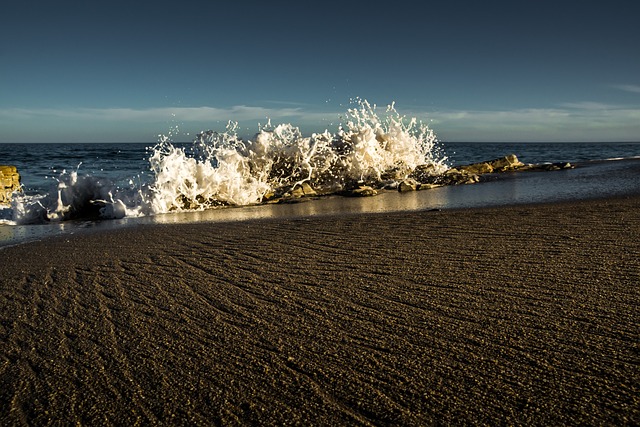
(527, 315)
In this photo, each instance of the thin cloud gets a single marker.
(627, 88)
(569, 122)
(184, 114)
(572, 121)
(589, 105)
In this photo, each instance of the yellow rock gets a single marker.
(506, 163)
(408, 185)
(477, 168)
(9, 182)
(302, 190)
(8, 170)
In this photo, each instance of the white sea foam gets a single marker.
(225, 170)
(77, 196)
(222, 169)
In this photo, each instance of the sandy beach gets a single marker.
(521, 315)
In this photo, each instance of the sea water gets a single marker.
(161, 181)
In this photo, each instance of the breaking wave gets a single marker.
(221, 169)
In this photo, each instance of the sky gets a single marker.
(81, 71)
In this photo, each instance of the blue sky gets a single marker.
(79, 71)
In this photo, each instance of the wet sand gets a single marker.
(515, 315)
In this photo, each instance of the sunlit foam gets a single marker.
(222, 169)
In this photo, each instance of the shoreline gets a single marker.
(523, 314)
(595, 180)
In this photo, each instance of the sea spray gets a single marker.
(223, 169)
(73, 196)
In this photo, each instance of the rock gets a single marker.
(301, 190)
(362, 191)
(424, 179)
(408, 184)
(566, 165)
(502, 164)
(506, 163)
(268, 196)
(455, 177)
(477, 168)
(467, 179)
(424, 173)
(9, 182)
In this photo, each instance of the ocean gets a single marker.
(41, 164)
(222, 177)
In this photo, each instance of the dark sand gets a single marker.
(519, 315)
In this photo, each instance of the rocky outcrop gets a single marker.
(477, 168)
(299, 192)
(10, 182)
(506, 163)
(422, 178)
(502, 164)
(511, 163)
(425, 177)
